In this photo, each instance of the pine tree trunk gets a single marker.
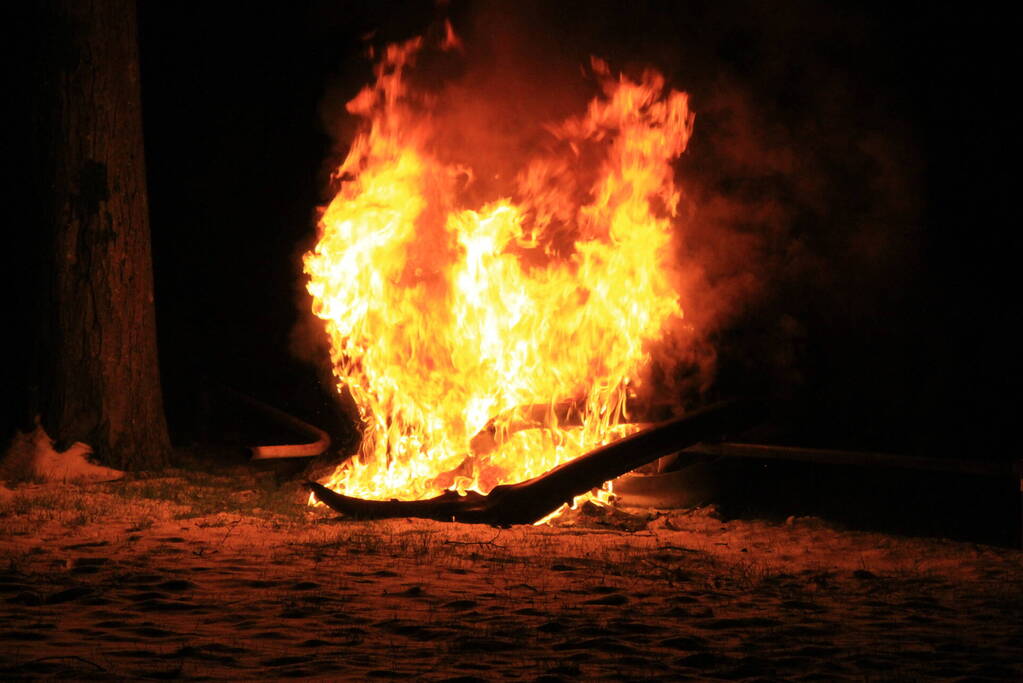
(98, 369)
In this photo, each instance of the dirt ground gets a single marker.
(224, 575)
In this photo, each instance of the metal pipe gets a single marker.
(318, 446)
(861, 458)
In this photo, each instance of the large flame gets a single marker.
(454, 325)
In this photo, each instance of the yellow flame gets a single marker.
(450, 324)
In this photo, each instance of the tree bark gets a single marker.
(98, 372)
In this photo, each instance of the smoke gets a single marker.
(798, 234)
(800, 223)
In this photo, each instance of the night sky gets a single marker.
(844, 186)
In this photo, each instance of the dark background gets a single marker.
(849, 191)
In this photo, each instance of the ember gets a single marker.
(446, 317)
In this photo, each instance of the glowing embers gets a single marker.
(446, 319)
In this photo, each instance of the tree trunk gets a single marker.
(98, 372)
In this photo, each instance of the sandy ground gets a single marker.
(188, 576)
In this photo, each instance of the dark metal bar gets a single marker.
(862, 458)
(320, 439)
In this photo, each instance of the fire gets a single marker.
(452, 325)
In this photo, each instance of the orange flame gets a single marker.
(446, 321)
